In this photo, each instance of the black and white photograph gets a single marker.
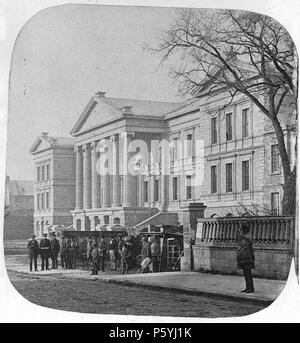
(150, 161)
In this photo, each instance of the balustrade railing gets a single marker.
(269, 230)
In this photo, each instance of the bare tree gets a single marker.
(240, 53)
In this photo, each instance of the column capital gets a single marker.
(114, 138)
(94, 145)
(128, 134)
(85, 147)
(78, 148)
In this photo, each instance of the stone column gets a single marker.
(129, 183)
(106, 176)
(87, 177)
(164, 172)
(116, 183)
(95, 177)
(79, 178)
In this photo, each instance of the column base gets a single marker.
(116, 205)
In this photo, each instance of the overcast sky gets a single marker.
(65, 54)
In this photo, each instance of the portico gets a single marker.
(109, 185)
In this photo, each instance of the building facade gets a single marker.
(200, 151)
(54, 185)
(19, 204)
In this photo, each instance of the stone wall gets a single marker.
(217, 240)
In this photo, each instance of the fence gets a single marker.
(273, 230)
(217, 240)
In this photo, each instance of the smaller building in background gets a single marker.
(54, 186)
(19, 206)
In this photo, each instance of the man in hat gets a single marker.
(54, 250)
(45, 245)
(33, 252)
(102, 252)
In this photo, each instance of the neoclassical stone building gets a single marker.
(233, 147)
(54, 185)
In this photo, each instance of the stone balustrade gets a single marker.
(266, 230)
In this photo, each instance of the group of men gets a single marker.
(46, 249)
(117, 249)
(122, 251)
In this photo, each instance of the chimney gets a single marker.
(100, 94)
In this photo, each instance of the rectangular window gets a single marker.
(228, 177)
(229, 126)
(245, 175)
(38, 201)
(214, 132)
(245, 122)
(38, 174)
(106, 220)
(189, 187)
(43, 173)
(175, 188)
(47, 200)
(189, 142)
(47, 172)
(175, 148)
(156, 190)
(145, 191)
(213, 179)
(42, 198)
(275, 203)
(275, 159)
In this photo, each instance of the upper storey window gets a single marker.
(38, 175)
(214, 132)
(245, 122)
(189, 141)
(228, 126)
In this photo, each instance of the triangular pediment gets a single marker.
(95, 114)
(40, 144)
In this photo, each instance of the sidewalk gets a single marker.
(225, 286)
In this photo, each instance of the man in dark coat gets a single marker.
(33, 252)
(102, 252)
(63, 253)
(245, 258)
(45, 245)
(113, 249)
(67, 252)
(155, 254)
(145, 254)
(54, 250)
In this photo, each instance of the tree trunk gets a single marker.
(289, 184)
(289, 194)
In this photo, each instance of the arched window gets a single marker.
(78, 224)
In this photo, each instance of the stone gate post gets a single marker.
(190, 214)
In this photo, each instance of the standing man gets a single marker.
(63, 253)
(155, 254)
(245, 258)
(67, 252)
(45, 251)
(102, 253)
(113, 249)
(145, 255)
(73, 252)
(33, 251)
(54, 249)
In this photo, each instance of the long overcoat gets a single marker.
(245, 253)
